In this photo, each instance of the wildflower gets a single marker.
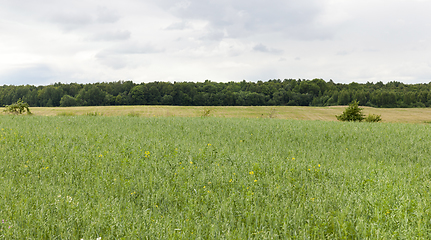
(100, 155)
(251, 173)
(293, 158)
(230, 180)
(147, 152)
(318, 165)
(191, 162)
(255, 180)
(209, 144)
(204, 186)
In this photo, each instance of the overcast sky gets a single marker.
(48, 41)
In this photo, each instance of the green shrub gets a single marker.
(66, 114)
(206, 112)
(19, 107)
(133, 114)
(373, 118)
(352, 113)
(94, 114)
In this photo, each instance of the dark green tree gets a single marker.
(68, 101)
(352, 113)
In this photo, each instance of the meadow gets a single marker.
(126, 177)
(399, 115)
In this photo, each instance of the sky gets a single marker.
(47, 41)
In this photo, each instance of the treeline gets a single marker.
(291, 92)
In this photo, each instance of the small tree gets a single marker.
(19, 107)
(352, 113)
(373, 118)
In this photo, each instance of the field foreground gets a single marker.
(212, 178)
(402, 115)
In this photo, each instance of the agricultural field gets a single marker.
(400, 115)
(127, 177)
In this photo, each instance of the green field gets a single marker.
(119, 177)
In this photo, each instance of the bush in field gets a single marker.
(19, 107)
(352, 113)
(373, 118)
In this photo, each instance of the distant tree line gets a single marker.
(290, 92)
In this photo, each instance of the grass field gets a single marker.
(88, 177)
(401, 115)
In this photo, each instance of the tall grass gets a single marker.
(212, 178)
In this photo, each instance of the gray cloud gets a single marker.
(112, 36)
(105, 15)
(28, 74)
(117, 57)
(179, 26)
(240, 18)
(262, 48)
(74, 19)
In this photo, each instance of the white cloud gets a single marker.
(194, 40)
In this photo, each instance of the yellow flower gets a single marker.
(318, 165)
(255, 180)
(209, 144)
(191, 162)
(204, 186)
(293, 158)
(251, 172)
(147, 153)
(230, 180)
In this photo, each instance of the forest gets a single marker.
(276, 92)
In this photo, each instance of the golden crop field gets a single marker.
(401, 115)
